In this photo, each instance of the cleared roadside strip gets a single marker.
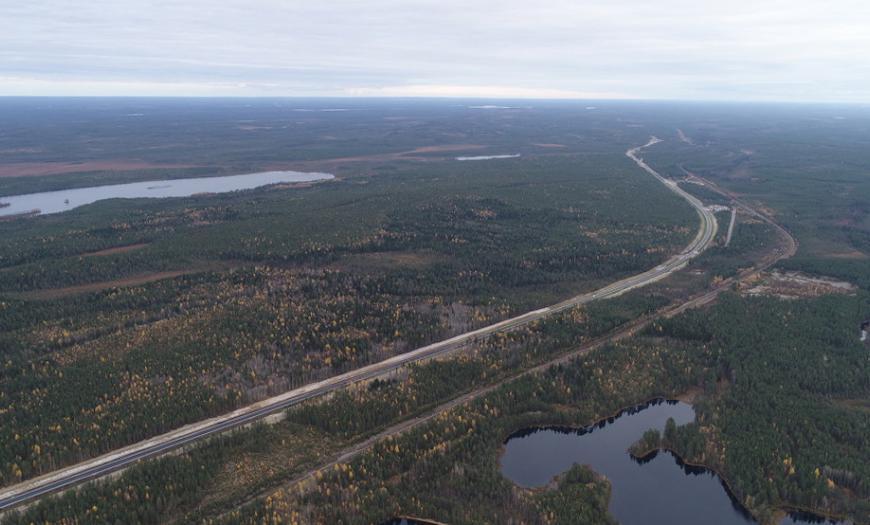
(117, 460)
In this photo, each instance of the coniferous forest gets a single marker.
(122, 320)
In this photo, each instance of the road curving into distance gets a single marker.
(118, 460)
(787, 248)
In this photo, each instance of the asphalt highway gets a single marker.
(120, 459)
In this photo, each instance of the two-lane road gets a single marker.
(117, 460)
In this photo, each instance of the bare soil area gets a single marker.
(443, 148)
(387, 260)
(793, 285)
(54, 293)
(117, 249)
(851, 254)
(684, 138)
(33, 169)
(855, 404)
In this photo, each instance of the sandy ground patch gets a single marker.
(793, 285)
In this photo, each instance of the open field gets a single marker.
(54, 168)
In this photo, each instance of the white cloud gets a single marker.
(740, 49)
(18, 86)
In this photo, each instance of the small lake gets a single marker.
(659, 489)
(65, 200)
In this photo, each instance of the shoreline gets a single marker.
(689, 397)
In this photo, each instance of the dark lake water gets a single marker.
(660, 489)
(64, 200)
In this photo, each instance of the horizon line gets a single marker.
(447, 98)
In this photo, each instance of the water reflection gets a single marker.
(659, 488)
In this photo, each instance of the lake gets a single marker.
(65, 200)
(657, 489)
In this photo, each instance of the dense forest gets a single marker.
(417, 252)
(786, 430)
(814, 462)
(366, 410)
(255, 304)
(803, 446)
(749, 356)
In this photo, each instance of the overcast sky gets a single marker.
(797, 50)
